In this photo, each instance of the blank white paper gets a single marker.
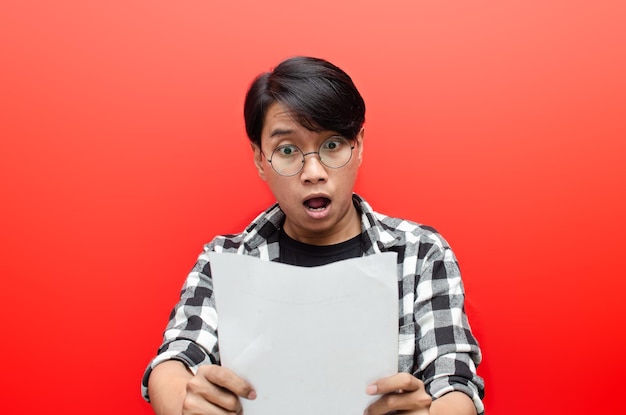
(309, 340)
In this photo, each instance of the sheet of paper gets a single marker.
(309, 340)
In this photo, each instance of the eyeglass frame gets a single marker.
(351, 143)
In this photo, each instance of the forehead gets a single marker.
(279, 121)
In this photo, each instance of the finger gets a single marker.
(227, 379)
(401, 403)
(206, 397)
(400, 382)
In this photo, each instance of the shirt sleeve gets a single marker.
(191, 333)
(448, 353)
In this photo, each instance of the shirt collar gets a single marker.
(267, 224)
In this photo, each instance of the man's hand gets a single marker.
(401, 392)
(213, 390)
(216, 390)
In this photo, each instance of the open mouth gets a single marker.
(317, 203)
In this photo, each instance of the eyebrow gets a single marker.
(281, 131)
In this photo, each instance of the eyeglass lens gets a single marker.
(334, 152)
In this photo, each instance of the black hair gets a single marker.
(320, 95)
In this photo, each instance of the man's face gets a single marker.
(318, 200)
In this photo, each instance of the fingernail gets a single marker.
(252, 395)
(371, 389)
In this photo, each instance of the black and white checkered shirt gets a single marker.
(435, 340)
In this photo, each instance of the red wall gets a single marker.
(123, 150)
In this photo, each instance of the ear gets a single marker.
(258, 160)
(359, 142)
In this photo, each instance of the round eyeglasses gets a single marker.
(334, 152)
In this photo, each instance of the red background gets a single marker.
(123, 151)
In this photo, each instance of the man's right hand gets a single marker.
(216, 390)
(213, 390)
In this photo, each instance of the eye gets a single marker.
(333, 143)
(286, 150)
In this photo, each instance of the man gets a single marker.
(305, 122)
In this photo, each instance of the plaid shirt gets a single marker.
(436, 344)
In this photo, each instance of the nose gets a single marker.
(313, 171)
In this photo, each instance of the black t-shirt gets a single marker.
(294, 252)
